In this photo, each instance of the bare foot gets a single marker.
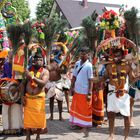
(125, 138)
(85, 131)
(37, 137)
(132, 123)
(28, 138)
(75, 127)
(99, 126)
(50, 118)
(110, 138)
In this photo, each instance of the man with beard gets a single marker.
(118, 99)
(34, 99)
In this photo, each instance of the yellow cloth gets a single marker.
(34, 111)
(3, 54)
(19, 60)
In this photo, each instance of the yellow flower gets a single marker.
(110, 59)
(115, 79)
(114, 73)
(122, 77)
(31, 73)
(123, 71)
(38, 74)
(102, 24)
(123, 64)
(116, 23)
(107, 23)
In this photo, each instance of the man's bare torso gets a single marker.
(54, 72)
(34, 91)
(119, 67)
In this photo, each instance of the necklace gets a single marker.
(37, 75)
(119, 84)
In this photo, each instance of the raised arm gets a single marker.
(41, 82)
(45, 77)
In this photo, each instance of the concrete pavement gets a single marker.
(58, 130)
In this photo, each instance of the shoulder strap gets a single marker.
(79, 70)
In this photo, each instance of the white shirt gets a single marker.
(82, 78)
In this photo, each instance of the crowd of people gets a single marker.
(95, 90)
(87, 107)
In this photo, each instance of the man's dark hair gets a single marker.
(85, 49)
(38, 55)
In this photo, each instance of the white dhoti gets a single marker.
(121, 104)
(66, 81)
(12, 116)
(55, 89)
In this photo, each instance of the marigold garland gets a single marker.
(119, 84)
(37, 75)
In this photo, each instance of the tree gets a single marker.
(22, 8)
(44, 8)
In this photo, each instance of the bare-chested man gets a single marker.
(34, 105)
(118, 99)
(55, 88)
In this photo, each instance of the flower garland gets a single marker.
(119, 84)
(38, 74)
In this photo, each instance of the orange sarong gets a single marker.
(34, 111)
(80, 111)
(97, 107)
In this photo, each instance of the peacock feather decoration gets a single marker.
(131, 24)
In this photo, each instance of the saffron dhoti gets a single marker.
(34, 111)
(97, 107)
(80, 111)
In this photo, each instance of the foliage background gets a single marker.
(44, 8)
(22, 8)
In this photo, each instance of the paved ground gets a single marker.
(60, 130)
